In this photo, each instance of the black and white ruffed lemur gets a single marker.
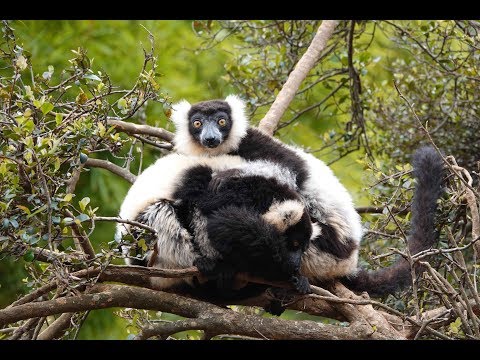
(256, 224)
(216, 129)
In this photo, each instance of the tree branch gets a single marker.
(296, 77)
(131, 128)
(57, 328)
(107, 165)
(217, 319)
(81, 237)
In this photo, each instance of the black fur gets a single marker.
(238, 232)
(328, 242)
(428, 169)
(254, 192)
(249, 244)
(209, 113)
(257, 145)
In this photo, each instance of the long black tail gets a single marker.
(428, 169)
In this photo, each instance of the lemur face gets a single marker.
(292, 220)
(210, 122)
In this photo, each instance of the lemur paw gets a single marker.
(219, 179)
(301, 284)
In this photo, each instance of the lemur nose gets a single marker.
(212, 141)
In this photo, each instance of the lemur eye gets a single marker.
(222, 122)
(296, 244)
(197, 124)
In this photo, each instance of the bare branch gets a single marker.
(131, 128)
(107, 165)
(57, 328)
(81, 237)
(296, 77)
(124, 221)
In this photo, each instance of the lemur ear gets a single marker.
(180, 112)
(239, 118)
(284, 214)
(236, 103)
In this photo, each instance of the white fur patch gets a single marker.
(159, 180)
(239, 122)
(186, 144)
(269, 170)
(284, 214)
(316, 231)
(320, 266)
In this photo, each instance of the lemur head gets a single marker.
(210, 127)
(291, 219)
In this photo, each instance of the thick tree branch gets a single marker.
(107, 165)
(296, 77)
(57, 328)
(219, 320)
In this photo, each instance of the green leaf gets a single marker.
(101, 129)
(40, 209)
(455, 326)
(24, 208)
(67, 221)
(82, 218)
(83, 158)
(58, 119)
(29, 256)
(141, 244)
(38, 103)
(29, 92)
(57, 164)
(122, 104)
(68, 197)
(29, 126)
(92, 77)
(46, 108)
(83, 203)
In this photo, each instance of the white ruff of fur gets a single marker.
(284, 214)
(186, 144)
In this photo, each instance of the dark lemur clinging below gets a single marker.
(255, 224)
(218, 128)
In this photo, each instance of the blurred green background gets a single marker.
(116, 47)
